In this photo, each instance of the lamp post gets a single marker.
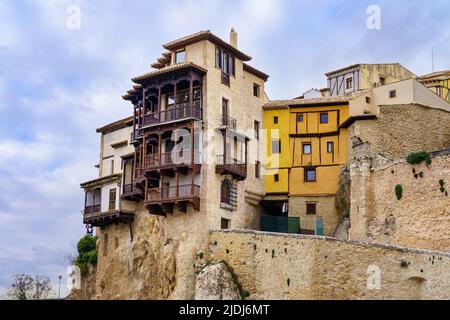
(59, 287)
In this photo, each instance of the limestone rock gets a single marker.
(215, 282)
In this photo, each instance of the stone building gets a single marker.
(192, 160)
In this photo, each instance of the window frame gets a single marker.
(300, 117)
(275, 120)
(258, 169)
(305, 175)
(309, 206)
(392, 94)
(310, 148)
(112, 199)
(276, 177)
(347, 81)
(327, 118)
(328, 146)
(279, 146)
(256, 87)
(176, 56)
(256, 127)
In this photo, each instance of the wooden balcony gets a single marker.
(174, 114)
(93, 216)
(173, 161)
(238, 169)
(132, 192)
(161, 201)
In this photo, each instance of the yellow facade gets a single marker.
(276, 123)
(305, 143)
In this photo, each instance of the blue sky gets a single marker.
(57, 85)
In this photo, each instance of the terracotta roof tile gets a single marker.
(168, 69)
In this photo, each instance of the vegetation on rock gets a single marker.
(419, 157)
(87, 253)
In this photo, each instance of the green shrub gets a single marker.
(87, 253)
(399, 191)
(419, 157)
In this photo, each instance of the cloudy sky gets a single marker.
(57, 85)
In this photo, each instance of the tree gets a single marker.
(24, 287)
(21, 287)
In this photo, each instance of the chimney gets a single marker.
(233, 37)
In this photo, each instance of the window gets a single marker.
(256, 130)
(382, 81)
(310, 174)
(224, 224)
(276, 146)
(349, 83)
(324, 118)
(330, 147)
(227, 195)
(218, 58)
(367, 99)
(112, 199)
(275, 120)
(311, 208)
(392, 94)
(256, 90)
(180, 56)
(300, 118)
(258, 170)
(276, 177)
(112, 167)
(306, 148)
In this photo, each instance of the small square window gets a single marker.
(311, 208)
(276, 146)
(330, 147)
(256, 90)
(310, 175)
(367, 99)
(382, 81)
(324, 118)
(275, 120)
(224, 224)
(299, 118)
(349, 83)
(276, 177)
(306, 148)
(180, 56)
(392, 94)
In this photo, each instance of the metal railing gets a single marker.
(173, 158)
(232, 165)
(229, 122)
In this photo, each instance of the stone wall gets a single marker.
(400, 130)
(377, 165)
(280, 266)
(420, 219)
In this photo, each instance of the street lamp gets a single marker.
(59, 287)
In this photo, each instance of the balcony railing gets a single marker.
(233, 166)
(229, 122)
(173, 193)
(178, 113)
(169, 159)
(92, 210)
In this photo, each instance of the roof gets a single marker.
(255, 72)
(435, 76)
(175, 67)
(205, 35)
(101, 181)
(123, 123)
(276, 104)
(347, 123)
(353, 66)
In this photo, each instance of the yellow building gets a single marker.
(438, 82)
(307, 138)
(306, 147)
